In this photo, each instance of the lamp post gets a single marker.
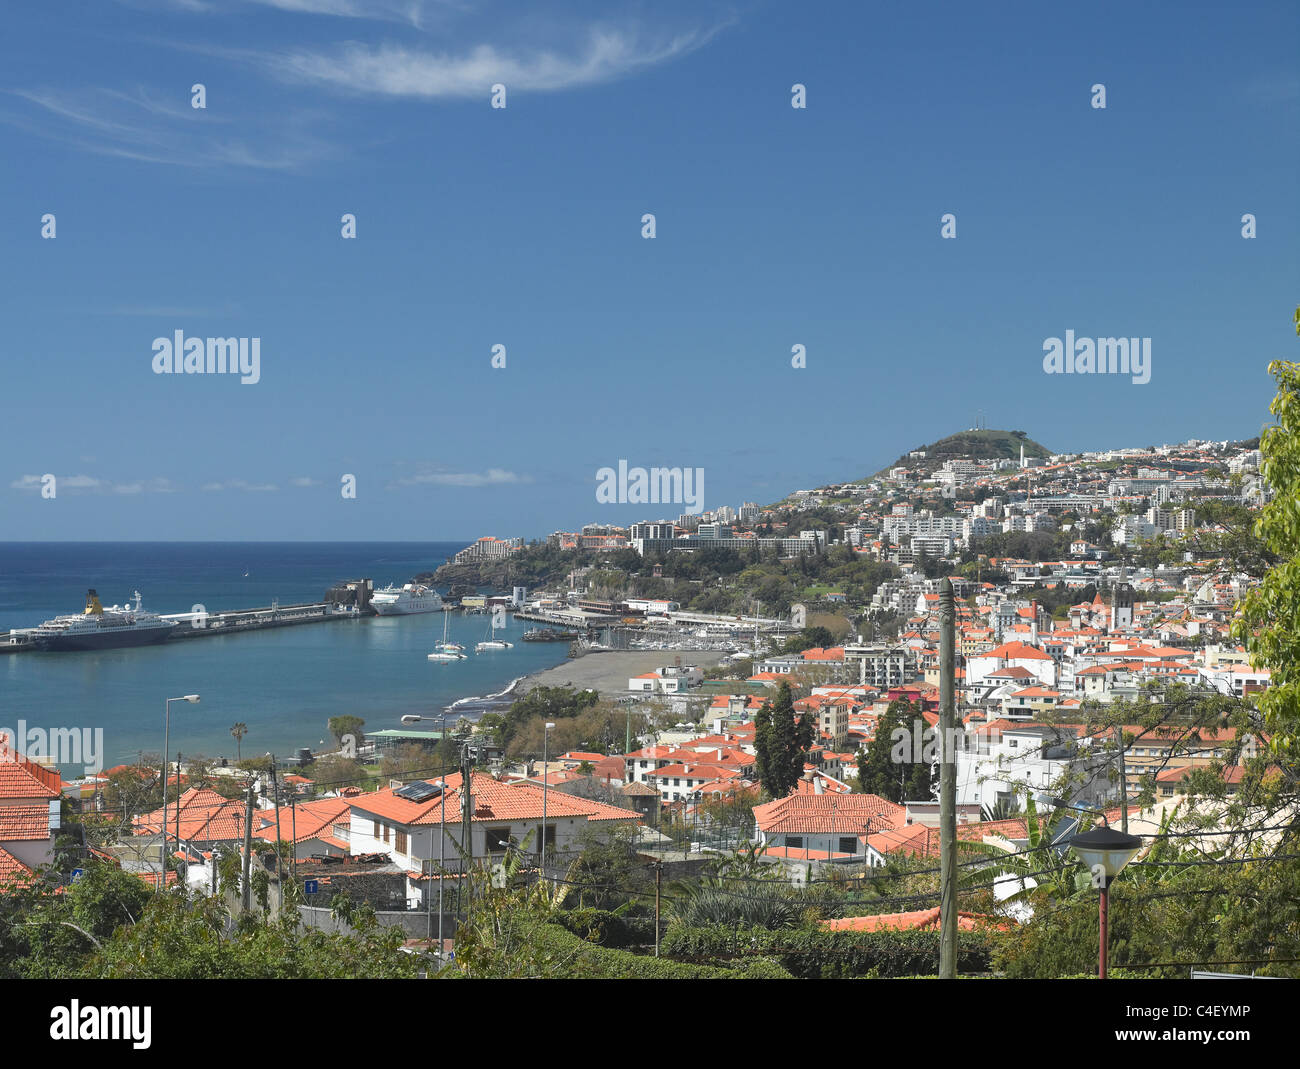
(167, 710)
(546, 738)
(1105, 851)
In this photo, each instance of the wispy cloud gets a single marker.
(239, 484)
(139, 126)
(304, 480)
(491, 477)
(90, 484)
(397, 71)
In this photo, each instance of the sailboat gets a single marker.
(493, 643)
(448, 651)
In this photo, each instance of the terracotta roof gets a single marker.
(21, 778)
(311, 820)
(1017, 651)
(916, 919)
(825, 814)
(24, 822)
(493, 801)
(13, 871)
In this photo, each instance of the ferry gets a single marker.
(98, 628)
(405, 600)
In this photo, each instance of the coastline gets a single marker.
(608, 671)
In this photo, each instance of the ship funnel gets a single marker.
(93, 607)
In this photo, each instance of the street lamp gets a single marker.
(546, 731)
(167, 709)
(1105, 851)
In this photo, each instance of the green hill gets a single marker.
(973, 445)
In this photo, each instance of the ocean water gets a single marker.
(284, 683)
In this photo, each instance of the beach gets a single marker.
(608, 671)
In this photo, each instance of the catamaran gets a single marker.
(493, 643)
(448, 651)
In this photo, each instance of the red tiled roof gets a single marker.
(826, 814)
(493, 801)
(24, 822)
(13, 871)
(920, 918)
(21, 778)
(310, 820)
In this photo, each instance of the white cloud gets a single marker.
(239, 484)
(304, 480)
(100, 486)
(491, 477)
(393, 70)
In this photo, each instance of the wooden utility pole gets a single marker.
(1123, 779)
(947, 783)
(275, 786)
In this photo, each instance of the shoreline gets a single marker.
(608, 671)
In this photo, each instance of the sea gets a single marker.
(283, 683)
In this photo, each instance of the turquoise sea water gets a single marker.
(283, 683)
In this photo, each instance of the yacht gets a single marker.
(493, 643)
(447, 651)
(98, 628)
(404, 600)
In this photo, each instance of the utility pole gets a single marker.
(178, 803)
(246, 898)
(275, 786)
(467, 814)
(659, 879)
(947, 784)
(1123, 779)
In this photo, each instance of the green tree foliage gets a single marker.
(340, 726)
(889, 766)
(779, 743)
(1269, 613)
(809, 638)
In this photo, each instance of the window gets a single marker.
(376, 823)
(497, 840)
(848, 845)
(550, 836)
(401, 841)
(794, 842)
(386, 829)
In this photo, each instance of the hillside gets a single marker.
(973, 445)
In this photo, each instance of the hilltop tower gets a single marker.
(1121, 604)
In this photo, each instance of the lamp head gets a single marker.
(1106, 850)
(192, 699)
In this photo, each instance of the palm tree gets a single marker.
(239, 731)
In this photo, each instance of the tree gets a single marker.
(778, 744)
(889, 766)
(1270, 611)
(239, 730)
(339, 726)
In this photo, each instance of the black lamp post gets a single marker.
(1105, 851)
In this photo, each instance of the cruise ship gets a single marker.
(98, 628)
(401, 601)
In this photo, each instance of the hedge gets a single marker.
(609, 929)
(820, 953)
(587, 961)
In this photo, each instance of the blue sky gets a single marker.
(522, 226)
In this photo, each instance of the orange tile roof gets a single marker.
(915, 919)
(21, 778)
(310, 820)
(493, 801)
(825, 814)
(13, 871)
(24, 822)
